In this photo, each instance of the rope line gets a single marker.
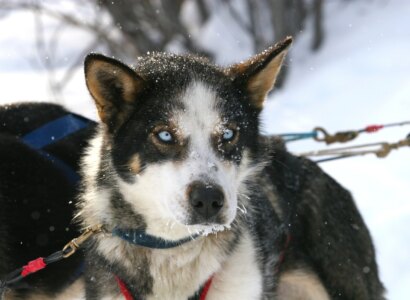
(290, 137)
(320, 134)
(381, 150)
(41, 263)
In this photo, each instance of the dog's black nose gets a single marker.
(206, 199)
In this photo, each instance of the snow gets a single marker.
(359, 77)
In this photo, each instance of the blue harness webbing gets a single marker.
(52, 132)
(55, 130)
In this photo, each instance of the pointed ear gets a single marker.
(259, 72)
(114, 87)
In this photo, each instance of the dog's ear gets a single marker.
(114, 87)
(259, 73)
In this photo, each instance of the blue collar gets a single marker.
(141, 238)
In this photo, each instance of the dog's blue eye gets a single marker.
(228, 134)
(165, 136)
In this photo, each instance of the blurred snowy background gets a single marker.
(349, 67)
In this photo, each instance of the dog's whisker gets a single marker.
(189, 231)
(244, 195)
(242, 208)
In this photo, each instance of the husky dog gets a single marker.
(179, 160)
(196, 204)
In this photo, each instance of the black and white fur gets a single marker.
(178, 154)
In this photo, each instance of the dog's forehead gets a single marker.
(158, 64)
(190, 88)
(176, 72)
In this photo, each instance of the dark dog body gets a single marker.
(269, 195)
(36, 198)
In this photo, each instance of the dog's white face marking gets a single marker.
(159, 193)
(200, 117)
(200, 121)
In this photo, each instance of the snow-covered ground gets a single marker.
(360, 76)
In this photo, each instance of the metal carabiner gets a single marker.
(338, 137)
(71, 247)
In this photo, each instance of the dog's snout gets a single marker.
(206, 199)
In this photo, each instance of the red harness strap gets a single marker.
(127, 295)
(282, 253)
(123, 288)
(206, 289)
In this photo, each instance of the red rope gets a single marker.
(33, 266)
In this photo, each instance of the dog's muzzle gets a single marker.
(206, 201)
